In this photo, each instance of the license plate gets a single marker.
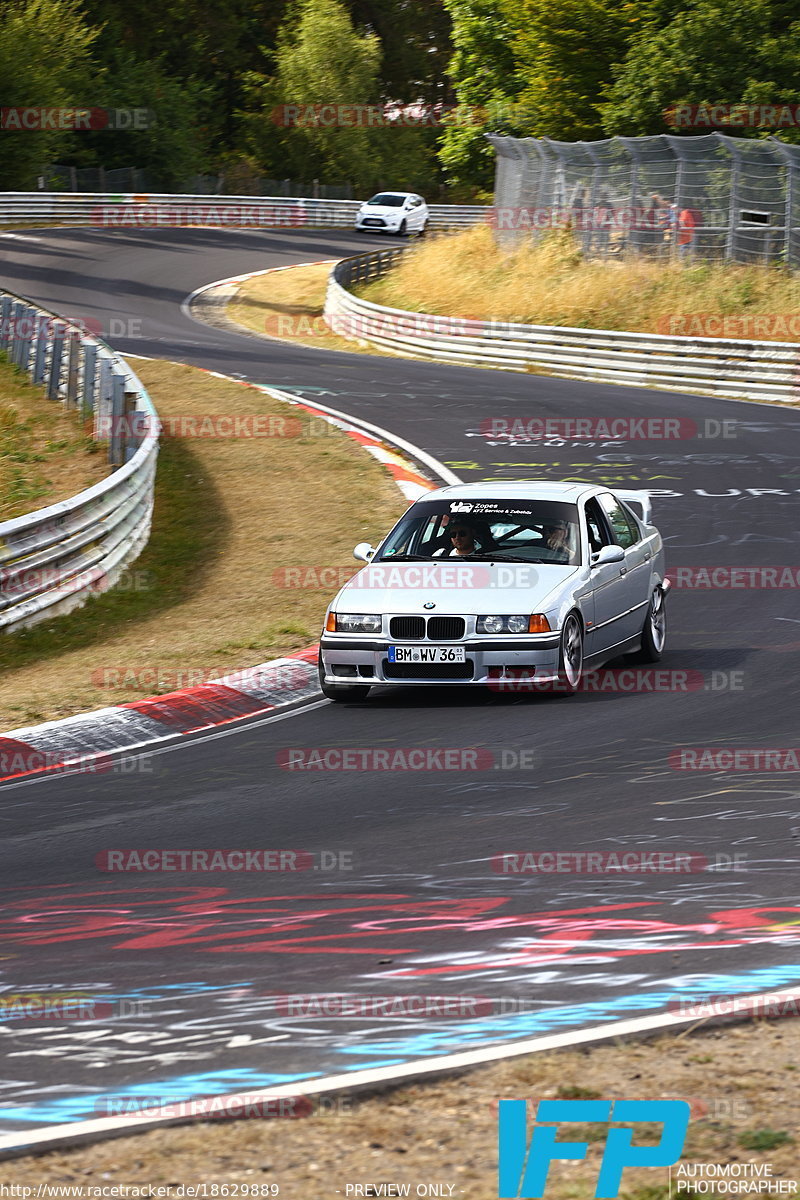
(372, 221)
(427, 654)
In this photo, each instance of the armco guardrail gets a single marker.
(52, 560)
(719, 366)
(148, 210)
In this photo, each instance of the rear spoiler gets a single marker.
(642, 499)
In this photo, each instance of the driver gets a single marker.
(463, 538)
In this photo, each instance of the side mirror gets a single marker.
(608, 554)
(363, 552)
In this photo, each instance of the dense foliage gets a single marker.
(436, 75)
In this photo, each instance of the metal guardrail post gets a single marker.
(116, 443)
(39, 365)
(73, 362)
(56, 355)
(89, 380)
(130, 439)
(24, 337)
(17, 309)
(5, 322)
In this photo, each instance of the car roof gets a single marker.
(567, 492)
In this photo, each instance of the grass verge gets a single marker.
(45, 453)
(288, 305)
(549, 283)
(741, 1083)
(209, 593)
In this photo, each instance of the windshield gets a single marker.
(388, 200)
(537, 531)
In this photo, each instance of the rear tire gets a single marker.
(570, 654)
(341, 691)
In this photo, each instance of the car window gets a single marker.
(626, 532)
(525, 530)
(388, 200)
(599, 534)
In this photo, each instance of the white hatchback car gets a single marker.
(393, 212)
(489, 583)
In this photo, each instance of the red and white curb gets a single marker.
(85, 742)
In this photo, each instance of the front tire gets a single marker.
(570, 654)
(341, 691)
(654, 631)
(403, 229)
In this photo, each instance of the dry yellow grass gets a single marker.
(467, 275)
(230, 513)
(445, 1132)
(288, 305)
(45, 453)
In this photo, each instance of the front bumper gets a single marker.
(386, 225)
(486, 659)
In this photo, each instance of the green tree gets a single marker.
(45, 61)
(483, 71)
(415, 37)
(709, 53)
(172, 148)
(565, 53)
(323, 60)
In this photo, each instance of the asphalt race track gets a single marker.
(202, 975)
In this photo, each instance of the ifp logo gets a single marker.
(523, 1169)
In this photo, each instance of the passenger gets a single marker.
(556, 539)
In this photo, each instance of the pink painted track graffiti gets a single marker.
(209, 919)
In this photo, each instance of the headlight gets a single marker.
(518, 623)
(358, 622)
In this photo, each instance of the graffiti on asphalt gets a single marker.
(210, 919)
